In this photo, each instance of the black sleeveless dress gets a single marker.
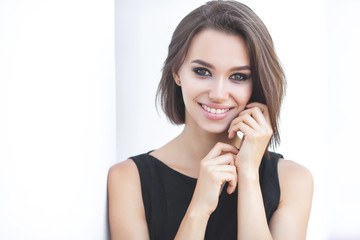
(167, 194)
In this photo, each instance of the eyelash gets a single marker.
(203, 72)
(199, 70)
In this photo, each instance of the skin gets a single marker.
(210, 151)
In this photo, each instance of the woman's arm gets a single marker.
(291, 218)
(193, 225)
(126, 210)
(254, 123)
(216, 169)
(252, 223)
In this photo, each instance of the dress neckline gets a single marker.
(170, 168)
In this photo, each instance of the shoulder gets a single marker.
(293, 176)
(128, 169)
(124, 180)
(123, 170)
(126, 208)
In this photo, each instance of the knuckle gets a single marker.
(245, 112)
(219, 144)
(246, 117)
(257, 110)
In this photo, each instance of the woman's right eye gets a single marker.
(202, 72)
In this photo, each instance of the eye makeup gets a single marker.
(239, 77)
(203, 72)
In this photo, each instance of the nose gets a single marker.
(218, 90)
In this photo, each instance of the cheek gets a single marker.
(243, 94)
(191, 89)
(188, 92)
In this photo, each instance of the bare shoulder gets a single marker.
(125, 169)
(292, 174)
(122, 176)
(126, 210)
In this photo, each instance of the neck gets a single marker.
(198, 142)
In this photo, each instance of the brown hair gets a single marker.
(235, 18)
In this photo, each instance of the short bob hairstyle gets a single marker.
(234, 18)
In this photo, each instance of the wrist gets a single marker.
(198, 212)
(250, 173)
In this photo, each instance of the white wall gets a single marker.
(319, 120)
(57, 117)
(342, 97)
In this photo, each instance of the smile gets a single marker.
(214, 110)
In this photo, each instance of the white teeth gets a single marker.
(214, 110)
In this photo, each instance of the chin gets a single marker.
(216, 128)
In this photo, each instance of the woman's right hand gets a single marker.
(217, 168)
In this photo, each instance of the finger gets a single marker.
(224, 168)
(264, 109)
(252, 111)
(247, 119)
(245, 124)
(257, 115)
(234, 122)
(262, 106)
(231, 178)
(225, 160)
(219, 148)
(241, 126)
(230, 189)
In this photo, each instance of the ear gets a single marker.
(176, 79)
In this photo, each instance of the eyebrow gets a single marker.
(205, 64)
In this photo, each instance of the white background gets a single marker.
(64, 120)
(57, 118)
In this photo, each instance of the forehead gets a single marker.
(218, 48)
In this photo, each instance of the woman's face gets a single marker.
(215, 80)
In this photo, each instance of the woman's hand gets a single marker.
(254, 123)
(216, 169)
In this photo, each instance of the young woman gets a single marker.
(221, 77)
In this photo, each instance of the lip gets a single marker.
(218, 106)
(214, 116)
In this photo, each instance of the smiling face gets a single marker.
(215, 80)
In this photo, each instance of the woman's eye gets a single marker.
(202, 72)
(239, 77)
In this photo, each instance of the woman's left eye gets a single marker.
(239, 77)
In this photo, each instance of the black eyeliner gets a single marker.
(197, 69)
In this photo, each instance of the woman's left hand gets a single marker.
(254, 123)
